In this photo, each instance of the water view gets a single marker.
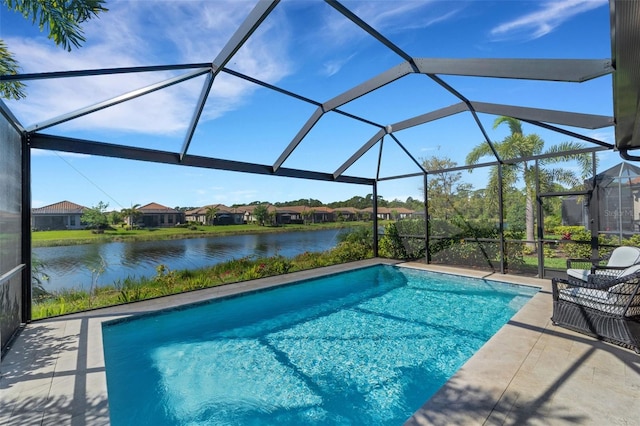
(78, 266)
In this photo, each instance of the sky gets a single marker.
(308, 48)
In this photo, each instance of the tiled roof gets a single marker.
(63, 207)
(346, 209)
(302, 209)
(288, 209)
(295, 209)
(156, 208)
(401, 210)
(388, 210)
(203, 210)
(252, 207)
(321, 209)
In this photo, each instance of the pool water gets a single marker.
(365, 347)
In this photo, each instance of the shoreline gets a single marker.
(158, 234)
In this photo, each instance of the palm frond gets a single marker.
(479, 151)
(9, 66)
(584, 160)
(515, 126)
(62, 18)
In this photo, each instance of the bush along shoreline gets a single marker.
(355, 245)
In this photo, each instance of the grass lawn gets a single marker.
(549, 262)
(71, 237)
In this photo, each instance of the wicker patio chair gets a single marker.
(606, 307)
(620, 259)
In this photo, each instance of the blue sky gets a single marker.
(308, 48)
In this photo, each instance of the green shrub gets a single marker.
(551, 223)
(390, 245)
(130, 291)
(634, 241)
(549, 253)
(362, 235)
(350, 251)
(581, 248)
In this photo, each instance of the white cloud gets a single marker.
(401, 16)
(388, 17)
(332, 67)
(605, 136)
(139, 34)
(429, 148)
(543, 21)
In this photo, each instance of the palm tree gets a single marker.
(210, 214)
(132, 214)
(519, 145)
(62, 18)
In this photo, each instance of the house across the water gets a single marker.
(216, 214)
(62, 215)
(154, 215)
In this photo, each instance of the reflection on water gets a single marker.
(151, 252)
(72, 266)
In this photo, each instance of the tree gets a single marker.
(63, 20)
(272, 217)
(519, 145)
(115, 217)
(310, 202)
(306, 215)
(96, 217)
(132, 214)
(210, 214)
(261, 213)
(441, 187)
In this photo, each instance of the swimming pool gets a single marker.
(367, 347)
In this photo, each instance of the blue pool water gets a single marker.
(366, 347)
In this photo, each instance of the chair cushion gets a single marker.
(624, 256)
(611, 302)
(630, 270)
(581, 274)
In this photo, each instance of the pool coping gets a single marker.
(527, 373)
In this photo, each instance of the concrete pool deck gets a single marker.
(530, 372)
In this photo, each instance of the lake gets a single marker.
(75, 266)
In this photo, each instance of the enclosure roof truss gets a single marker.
(625, 16)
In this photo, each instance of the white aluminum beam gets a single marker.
(83, 146)
(12, 119)
(567, 70)
(362, 89)
(573, 119)
(118, 99)
(366, 147)
(370, 30)
(406, 151)
(368, 86)
(298, 138)
(202, 100)
(258, 14)
(430, 116)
